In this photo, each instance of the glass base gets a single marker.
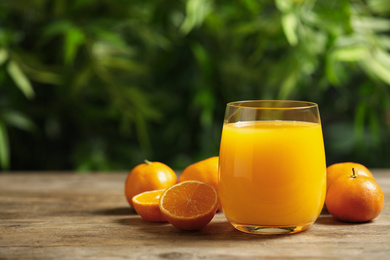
(271, 230)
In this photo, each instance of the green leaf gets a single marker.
(110, 37)
(3, 56)
(74, 38)
(371, 23)
(287, 87)
(284, 5)
(384, 41)
(196, 11)
(383, 57)
(43, 76)
(17, 119)
(252, 5)
(374, 66)
(379, 6)
(122, 63)
(331, 71)
(20, 79)
(289, 23)
(4, 147)
(54, 29)
(350, 53)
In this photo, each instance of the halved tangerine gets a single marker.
(189, 205)
(146, 204)
(205, 170)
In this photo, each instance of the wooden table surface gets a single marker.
(86, 216)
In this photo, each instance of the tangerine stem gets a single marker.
(353, 173)
(147, 162)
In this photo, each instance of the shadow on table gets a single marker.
(122, 211)
(216, 230)
(327, 219)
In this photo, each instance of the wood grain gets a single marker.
(86, 216)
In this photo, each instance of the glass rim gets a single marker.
(246, 104)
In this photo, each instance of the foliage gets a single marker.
(101, 85)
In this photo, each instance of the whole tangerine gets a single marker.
(354, 198)
(148, 176)
(334, 171)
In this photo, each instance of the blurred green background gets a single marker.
(99, 85)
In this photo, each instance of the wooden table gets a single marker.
(74, 216)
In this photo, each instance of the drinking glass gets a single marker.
(272, 169)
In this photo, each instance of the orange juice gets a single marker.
(272, 173)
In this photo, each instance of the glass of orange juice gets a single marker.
(272, 169)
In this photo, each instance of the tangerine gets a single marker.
(146, 204)
(205, 171)
(354, 198)
(148, 176)
(334, 171)
(189, 205)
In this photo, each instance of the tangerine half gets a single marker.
(189, 205)
(146, 204)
